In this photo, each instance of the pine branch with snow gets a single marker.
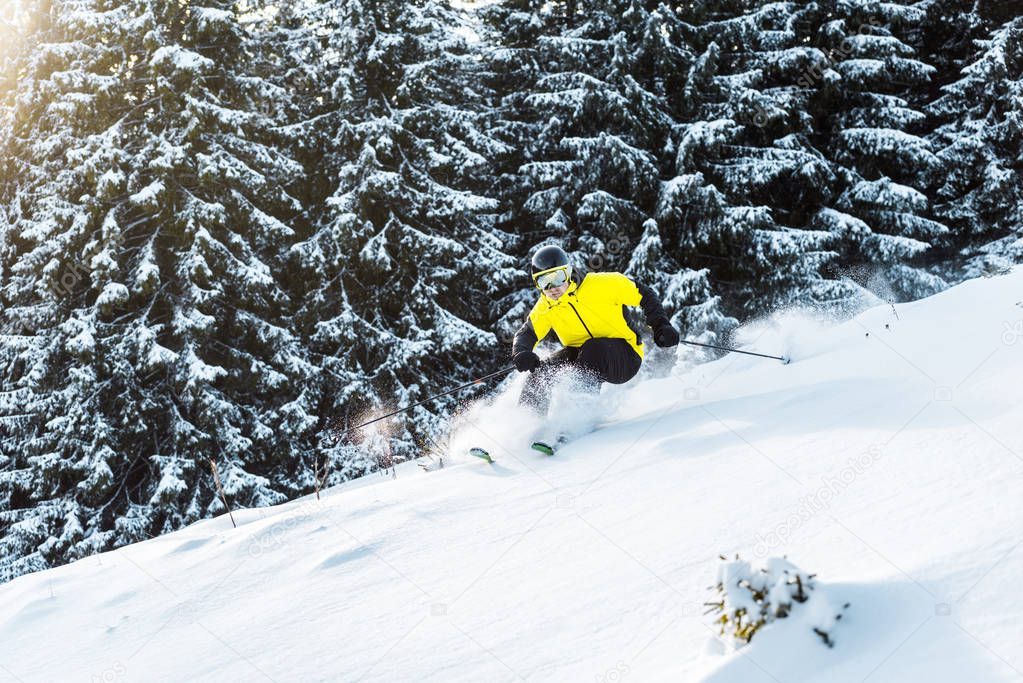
(752, 597)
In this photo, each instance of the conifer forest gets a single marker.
(229, 230)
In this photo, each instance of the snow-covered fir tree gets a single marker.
(582, 130)
(867, 120)
(980, 143)
(146, 233)
(744, 172)
(401, 265)
(49, 219)
(586, 91)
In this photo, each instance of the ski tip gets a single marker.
(542, 448)
(481, 453)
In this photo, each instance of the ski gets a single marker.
(481, 453)
(542, 447)
(550, 446)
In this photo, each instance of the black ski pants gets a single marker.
(598, 360)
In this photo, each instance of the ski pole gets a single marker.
(425, 400)
(783, 359)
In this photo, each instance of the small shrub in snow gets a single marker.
(749, 597)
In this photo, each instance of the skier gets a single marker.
(588, 318)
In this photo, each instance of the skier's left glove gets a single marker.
(526, 361)
(665, 335)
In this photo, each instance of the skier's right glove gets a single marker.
(526, 361)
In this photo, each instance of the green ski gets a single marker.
(543, 448)
(480, 453)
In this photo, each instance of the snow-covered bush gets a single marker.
(752, 596)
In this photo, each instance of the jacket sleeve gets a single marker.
(527, 337)
(651, 305)
(634, 294)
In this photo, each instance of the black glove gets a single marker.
(526, 361)
(665, 335)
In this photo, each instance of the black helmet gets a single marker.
(548, 257)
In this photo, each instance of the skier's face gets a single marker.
(555, 293)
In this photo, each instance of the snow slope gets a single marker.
(887, 458)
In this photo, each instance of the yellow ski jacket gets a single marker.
(591, 309)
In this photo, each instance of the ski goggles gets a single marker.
(555, 277)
